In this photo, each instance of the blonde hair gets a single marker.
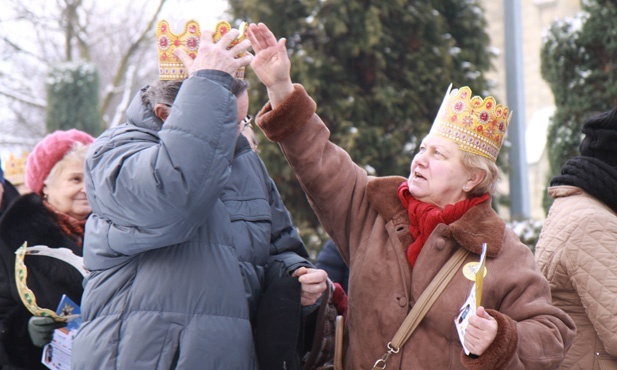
(474, 162)
(77, 152)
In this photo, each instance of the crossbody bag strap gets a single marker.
(424, 303)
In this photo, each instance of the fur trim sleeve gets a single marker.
(289, 117)
(499, 354)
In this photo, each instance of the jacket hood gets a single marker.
(139, 115)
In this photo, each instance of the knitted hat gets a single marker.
(600, 137)
(48, 152)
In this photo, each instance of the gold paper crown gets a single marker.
(170, 67)
(15, 169)
(21, 276)
(477, 125)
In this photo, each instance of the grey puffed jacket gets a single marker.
(185, 220)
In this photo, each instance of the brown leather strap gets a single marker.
(338, 343)
(424, 303)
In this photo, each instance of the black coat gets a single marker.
(10, 194)
(27, 219)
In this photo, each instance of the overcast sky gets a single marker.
(206, 12)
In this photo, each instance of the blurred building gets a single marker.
(536, 17)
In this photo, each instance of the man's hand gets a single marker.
(480, 332)
(313, 283)
(219, 56)
(271, 63)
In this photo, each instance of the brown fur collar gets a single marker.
(298, 108)
(479, 225)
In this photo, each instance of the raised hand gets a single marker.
(271, 63)
(218, 56)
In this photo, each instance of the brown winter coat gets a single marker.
(369, 225)
(577, 252)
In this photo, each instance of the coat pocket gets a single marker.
(171, 348)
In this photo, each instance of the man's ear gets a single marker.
(162, 111)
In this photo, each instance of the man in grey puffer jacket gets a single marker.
(185, 223)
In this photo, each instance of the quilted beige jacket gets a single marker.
(577, 252)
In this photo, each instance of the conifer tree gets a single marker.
(577, 61)
(378, 71)
(72, 98)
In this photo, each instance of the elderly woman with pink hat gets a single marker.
(403, 238)
(54, 215)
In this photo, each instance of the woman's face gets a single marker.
(66, 191)
(437, 174)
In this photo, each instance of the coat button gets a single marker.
(440, 244)
(402, 301)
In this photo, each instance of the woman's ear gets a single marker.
(474, 179)
(162, 111)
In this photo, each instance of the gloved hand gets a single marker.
(41, 329)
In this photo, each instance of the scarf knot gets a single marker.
(71, 227)
(424, 217)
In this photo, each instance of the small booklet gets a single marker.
(57, 354)
(475, 271)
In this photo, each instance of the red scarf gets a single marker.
(424, 217)
(71, 227)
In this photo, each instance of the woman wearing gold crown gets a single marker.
(396, 234)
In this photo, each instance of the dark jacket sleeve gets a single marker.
(286, 245)
(330, 260)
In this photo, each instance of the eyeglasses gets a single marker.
(247, 122)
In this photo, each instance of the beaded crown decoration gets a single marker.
(26, 295)
(477, 125)
(15, 169)
(170, 67)
(21, 276)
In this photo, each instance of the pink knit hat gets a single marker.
(48, 152)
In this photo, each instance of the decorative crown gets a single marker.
(170, 67)
(21, 276)
(477, 125)
(15, 169)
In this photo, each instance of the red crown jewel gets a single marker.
(170, 67)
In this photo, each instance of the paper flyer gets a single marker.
(474, 271)
(57, 354)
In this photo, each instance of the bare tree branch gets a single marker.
(122, 68)
(126, 98)
(29, 100)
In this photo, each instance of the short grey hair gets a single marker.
(160, 92)
(474, 162)
(165, 92)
